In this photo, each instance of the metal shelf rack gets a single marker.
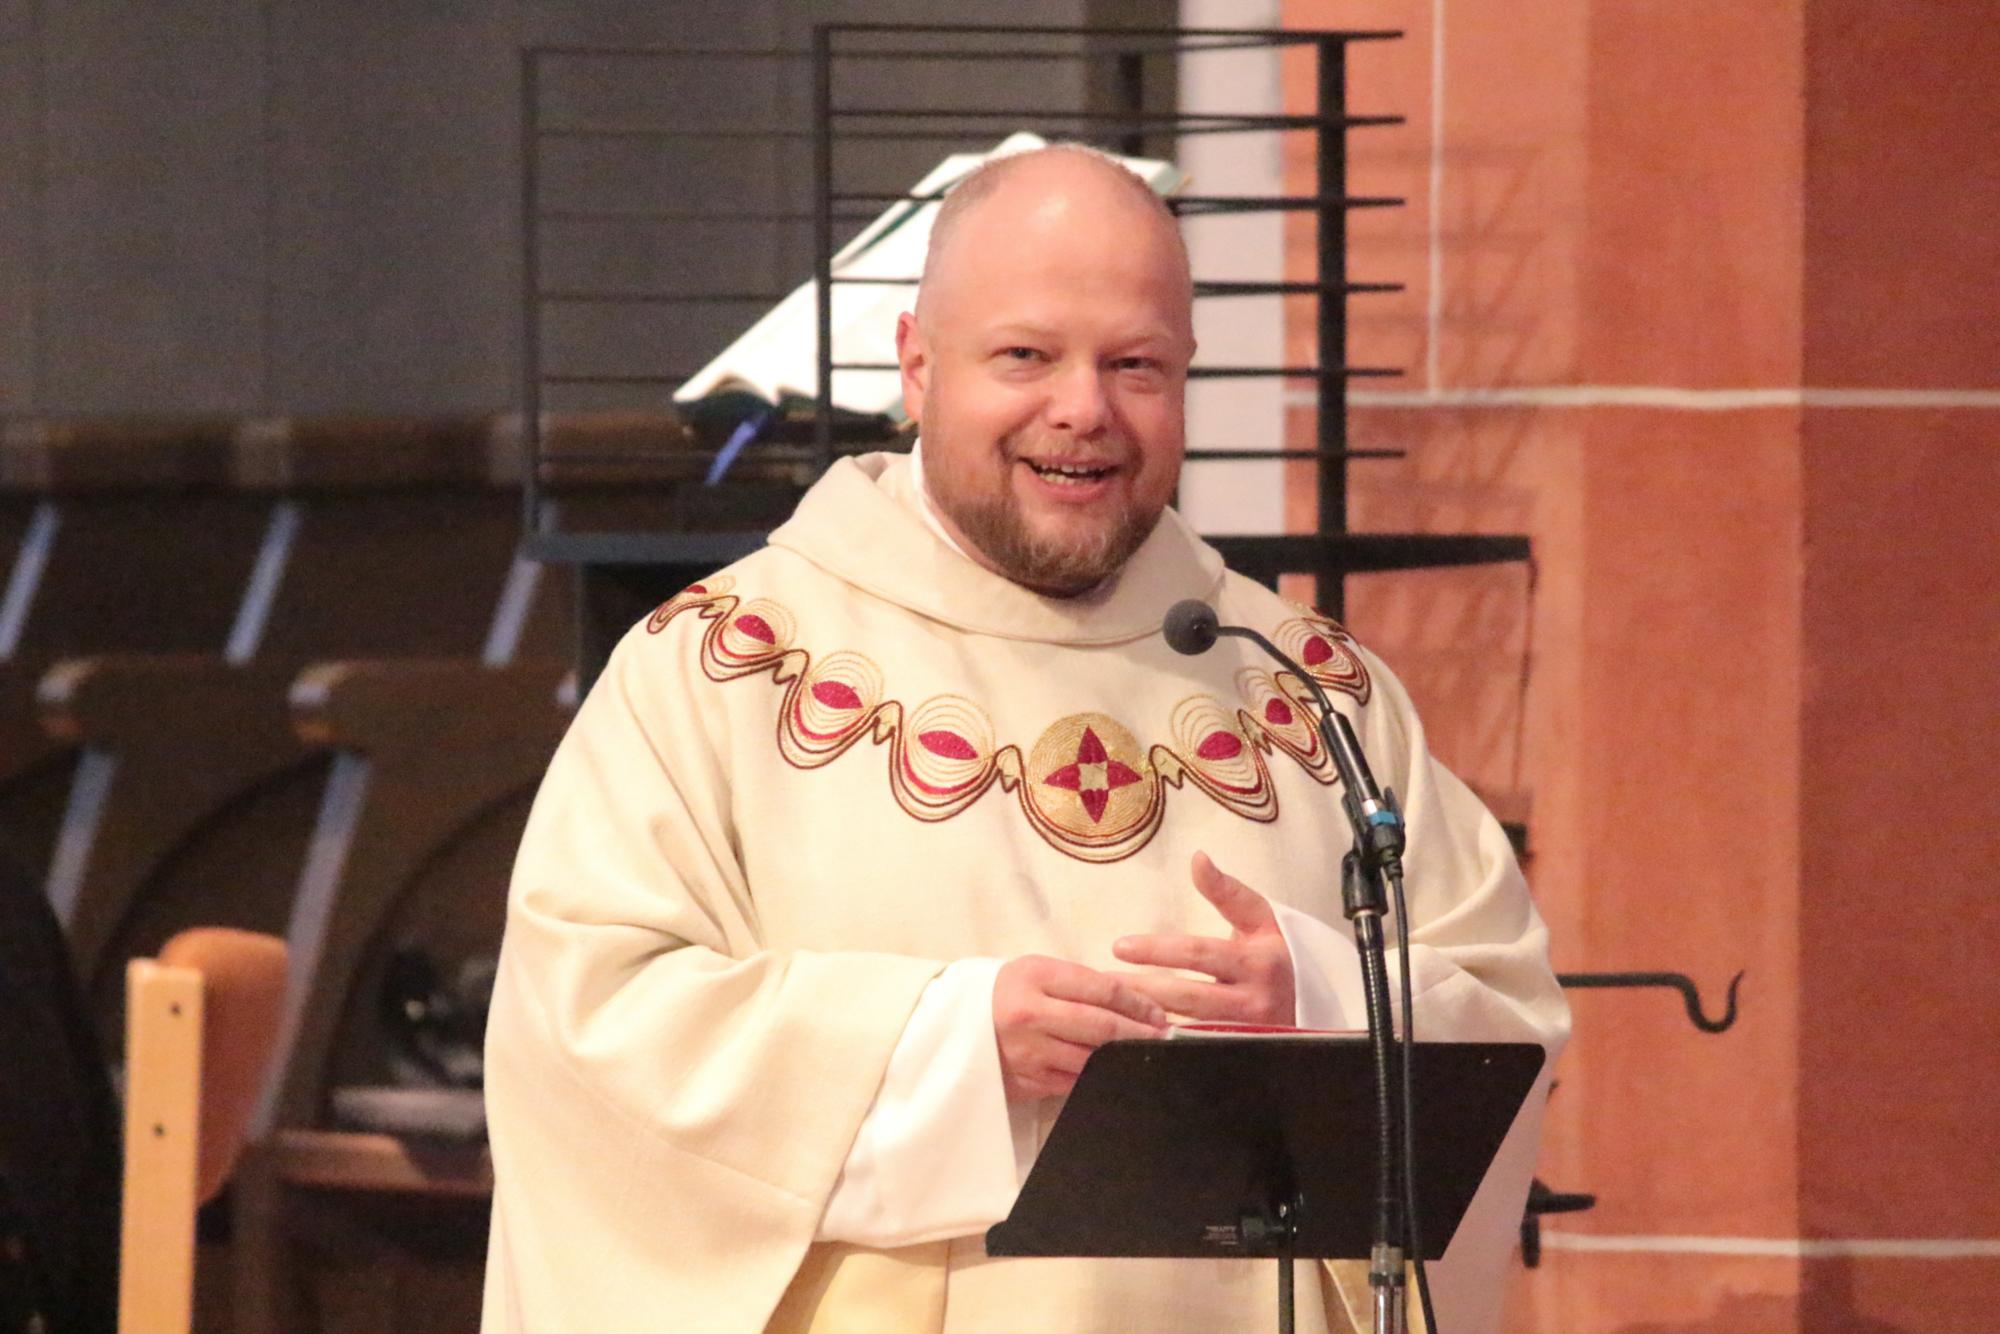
(625, 573)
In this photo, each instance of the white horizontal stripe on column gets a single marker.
(1795, 1248)
(1662, 396)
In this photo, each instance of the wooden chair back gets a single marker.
(201, 1021)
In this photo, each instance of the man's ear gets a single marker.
(914, 359)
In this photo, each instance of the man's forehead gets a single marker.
(1054, 280)
(1058, 216)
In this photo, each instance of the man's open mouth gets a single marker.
(1071, 474)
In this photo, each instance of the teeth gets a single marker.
(1068, 472)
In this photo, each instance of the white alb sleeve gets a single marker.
(940, 1153)
(1326, 971)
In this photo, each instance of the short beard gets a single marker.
(1051, 566)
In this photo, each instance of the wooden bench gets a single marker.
(197, 797)
(115, 537)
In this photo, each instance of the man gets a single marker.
(858, 849)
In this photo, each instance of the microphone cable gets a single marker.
(1411, 1231)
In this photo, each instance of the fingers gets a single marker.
(1197, 1000)
(1049, 1071)
(1088, 987)
(1220, 959)
(1090, 1026)
(1241, 906)
(1049, 1015)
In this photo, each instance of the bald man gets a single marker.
(861, 846)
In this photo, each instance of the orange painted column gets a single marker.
(1899, 1062)
(1672, 274)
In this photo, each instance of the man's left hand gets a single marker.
(1252, 968)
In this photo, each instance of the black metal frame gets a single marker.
(1327, 554)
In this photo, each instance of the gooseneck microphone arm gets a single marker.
(1376, 860)
(1191, 627)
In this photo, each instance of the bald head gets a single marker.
(1049, 196)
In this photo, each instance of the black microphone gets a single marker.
(1190, 627)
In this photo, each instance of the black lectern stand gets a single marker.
(1256, 1147)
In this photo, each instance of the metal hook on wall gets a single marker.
(1680, 982)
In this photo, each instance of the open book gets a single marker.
(1211, 1029)
(776, 358)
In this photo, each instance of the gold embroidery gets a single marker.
(1089, 790)
(1085, 786)
(1327, 652)
(944, 759)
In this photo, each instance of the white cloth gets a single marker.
(932, 1158)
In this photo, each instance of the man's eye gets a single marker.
(1135, 364)
(1021, 353)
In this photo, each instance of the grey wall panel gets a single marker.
(286, 206)
(20, 201)
(395, 196)
(680, 23)
(152, 239)
(676, 177)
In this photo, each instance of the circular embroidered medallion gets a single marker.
(1281, 710)
(1088, 779)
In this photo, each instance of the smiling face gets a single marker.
(1047, 366)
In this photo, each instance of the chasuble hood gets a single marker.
(860, 524)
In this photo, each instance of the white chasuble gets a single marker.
(805, 786)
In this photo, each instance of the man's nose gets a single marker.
(1078, 403)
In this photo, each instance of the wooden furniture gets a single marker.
(201, 1024)
(197, 798)
(339, 1230)
(115, 537)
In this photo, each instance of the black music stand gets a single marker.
(1256, 1148)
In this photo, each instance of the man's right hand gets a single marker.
(1049, 1015)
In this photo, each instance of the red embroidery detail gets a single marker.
(836, 695)
(942, 755)
(948, 744)
(1220, 746)
(1329, 653)
(691, 596)
(1094, 776)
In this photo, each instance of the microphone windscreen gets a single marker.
(1190, 626)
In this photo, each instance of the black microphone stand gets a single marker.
(1375, 860)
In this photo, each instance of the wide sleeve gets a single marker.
(669, 1102)
(942, 1153)
(1479, 970)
